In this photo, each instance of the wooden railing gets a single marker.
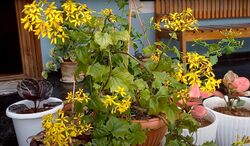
(205, 9)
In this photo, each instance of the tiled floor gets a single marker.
(240, 65)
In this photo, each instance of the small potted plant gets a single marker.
(197, 74)
(231, 108)
(27, 114)
(65, 34)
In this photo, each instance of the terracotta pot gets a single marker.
(68, 70)
(156, 131)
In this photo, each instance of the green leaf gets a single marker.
(240, 103)
(148, 51)
(45, 74)
(118, 127)
(140, 84)
(103, 39)
(177, 52)
(120, 142)
(159, 77)
(137, 136)
(121, 3)
(171, 111)
(100, 141)
(153, 106)
(173, 35)
(82, 54)
(119, 36)
(120, 77)
(175, 84)
(144, 98)
(100, 131)
(213, 59)
(209, 143)
(98, 72)
(163, 91)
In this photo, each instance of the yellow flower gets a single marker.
(106, 12)
(155, 58)
(230, 33)
(109, 100)
(69, 97)
(60, 131)
(121, 91)
(180, 21)
(157, 26)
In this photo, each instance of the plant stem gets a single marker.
(74, 90)
(163, 50)
(125, 53)
(35, 109)
(129, 23)
(110, 71)
(140, 21)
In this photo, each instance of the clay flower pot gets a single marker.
(229, 127)
(68, 70)
(156, 131)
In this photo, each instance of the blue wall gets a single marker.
(145, 15)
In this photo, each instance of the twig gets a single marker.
(140, 21)
(129, 23)
(74, 90)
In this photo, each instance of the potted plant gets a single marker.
(27, 114)
(120, 90)
(66, 35)
(231, 108)
(200, 87)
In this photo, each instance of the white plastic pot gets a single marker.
(229, 127)
(207, 133)
(28, 125)
(203, 134)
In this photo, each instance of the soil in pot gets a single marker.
(203, 122)
(242, 112)
(23, 109)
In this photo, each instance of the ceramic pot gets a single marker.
(156, 131)
(28, 125)
(229, 127)
(68, 70)
(207, 133)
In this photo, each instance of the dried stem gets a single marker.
(129, 23)
(140, 21)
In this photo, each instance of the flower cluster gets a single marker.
(79, 96)
(76, 14)
(198, 75)
(156, 56)
(109, 14)
(198, 70)
(62, 130)
(231, 33)
(178, 21)
(47, 20)
(119, 101)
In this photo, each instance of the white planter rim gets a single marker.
(213, 121)
(34, 115)
(222, 100)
